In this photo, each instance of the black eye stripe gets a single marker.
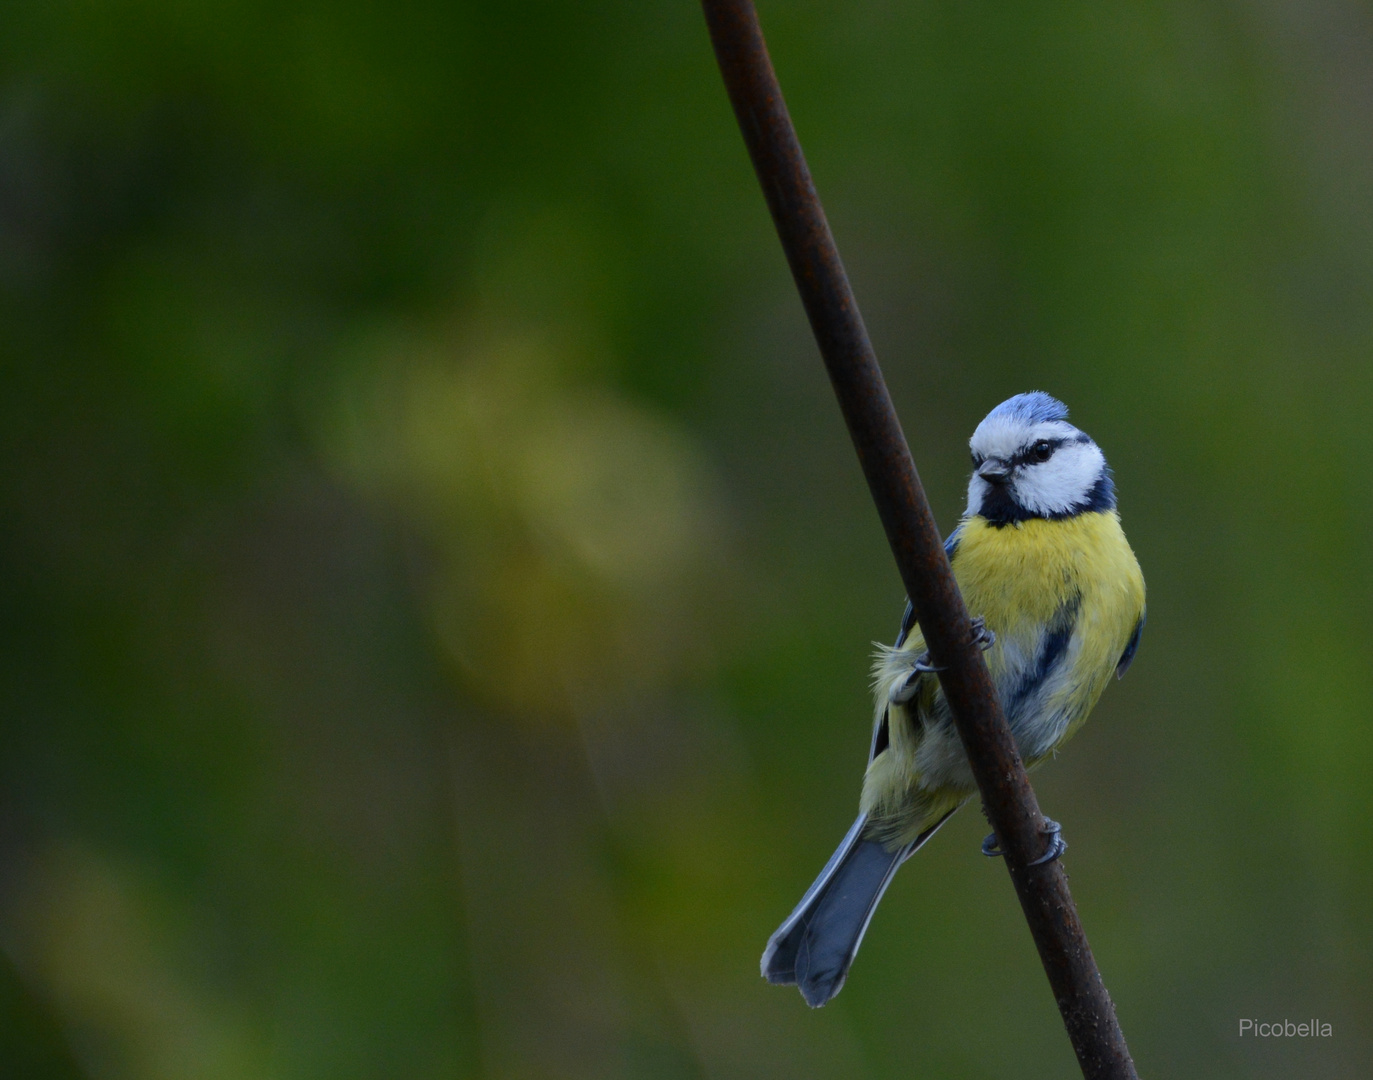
(1029, 456)
(1026, 454)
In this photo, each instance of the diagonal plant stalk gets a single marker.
(1007, 797)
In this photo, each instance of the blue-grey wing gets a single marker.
(1128, 656)
(908, 619)
(907, 624)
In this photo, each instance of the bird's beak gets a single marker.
(994, 470)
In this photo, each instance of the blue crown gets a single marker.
(1036, 407)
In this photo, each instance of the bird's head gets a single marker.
(1029, 462)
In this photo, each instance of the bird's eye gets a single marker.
(1042, 450)
(977, 460)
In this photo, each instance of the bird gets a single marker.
(1042, 562)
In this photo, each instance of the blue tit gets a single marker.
(1042, 562)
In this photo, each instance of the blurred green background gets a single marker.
(438, 591)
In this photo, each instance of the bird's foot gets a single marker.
(908, 687)
(983, 638)
(1057, 845)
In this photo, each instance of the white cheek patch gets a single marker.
(1061, 483)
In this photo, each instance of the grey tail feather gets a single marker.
(819, 940)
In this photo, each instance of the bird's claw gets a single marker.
(1057, 845)
(983, 638)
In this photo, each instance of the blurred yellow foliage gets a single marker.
(117, 955)
(573, 529)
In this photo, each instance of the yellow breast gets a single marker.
(1026, 571)
(1019, 576)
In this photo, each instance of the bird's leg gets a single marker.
(1057, 845)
